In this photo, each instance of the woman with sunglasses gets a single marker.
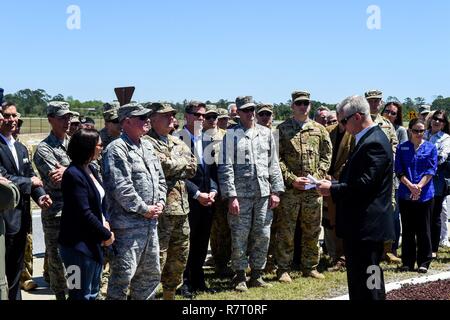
(438, 134)
(415, 166)
(393, 112)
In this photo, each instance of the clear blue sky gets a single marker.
(209, 49)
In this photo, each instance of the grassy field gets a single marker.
(41, 125)
(334, 284)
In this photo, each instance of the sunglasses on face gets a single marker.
(418, 131)
(301, 103)
(248, 110)
(142, 118)
(438, 119)
(392, 113)
(9, 115)
(211, 117)
(197, 114)
(345, 120)
(264, 114)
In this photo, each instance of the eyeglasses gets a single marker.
(9, 115)
(142, 118)
(197, 114)
(345, 120)
(438, 119)
(301, 103)
(332, 122)
(418, 131)
(392, 113)
(247, 110)
(264, 114)
(211, 117)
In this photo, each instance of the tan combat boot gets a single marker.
(168, 294)
(284, 277)
(313, 274)
(256, 280)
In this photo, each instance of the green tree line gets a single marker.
(33, 103)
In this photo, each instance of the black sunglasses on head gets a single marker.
(301, 103)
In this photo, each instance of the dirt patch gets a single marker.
(436, 290)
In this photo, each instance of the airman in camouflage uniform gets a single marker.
(111, 131)
(51, 160)
(305, 149)
(374, 98)
(178, 164)
(220, 239)
(222, 118)
(136, 190)
(250, 178)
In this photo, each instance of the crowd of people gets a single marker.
(136, 205)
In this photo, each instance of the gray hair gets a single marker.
(231, 106)
(352, 105)
(319, 109)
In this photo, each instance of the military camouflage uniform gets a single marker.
(106, 138)
(388, 129)
(133, 180)
(303, 150)
(48, 153)
(220, 239)
(250, 171)
(178, 164)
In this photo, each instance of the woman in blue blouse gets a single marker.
(415, 166)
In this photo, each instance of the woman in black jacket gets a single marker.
(84, 229)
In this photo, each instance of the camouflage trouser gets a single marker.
(334, 244)
(250, 232)
(306, 207)
(135, 264)
(220, 239)
(173, 233)
(56, 270)
(27, 272)
(3, 283)
(105, 273)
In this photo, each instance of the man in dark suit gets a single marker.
(202, 190)
(15, 163)
(363, 200)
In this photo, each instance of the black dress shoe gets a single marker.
(185, 292)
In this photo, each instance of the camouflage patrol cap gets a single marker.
(132, 110)
(110, 115)
(264, 107)
(374, 94)
(111, 105)
(424, 108)
(211, 108)
(222, 113)
(301, 96)
(58, 109)
(244, 102)
(9, 196)
(158, 107)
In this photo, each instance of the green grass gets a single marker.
(334, 284)
(41, 125)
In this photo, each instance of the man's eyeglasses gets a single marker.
(247, 110)
(142, 118)
(438, 119)
(301, 103)
(345, 120)
(9, 115)
(211, 117)
(392, 113)
(418, 131)
(197, 114)
(264, 114)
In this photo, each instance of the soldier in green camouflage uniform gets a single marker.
(178, 164)
(51, 160)
(305, 149)
(374, 98)
(9, 199)
(220, 238)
